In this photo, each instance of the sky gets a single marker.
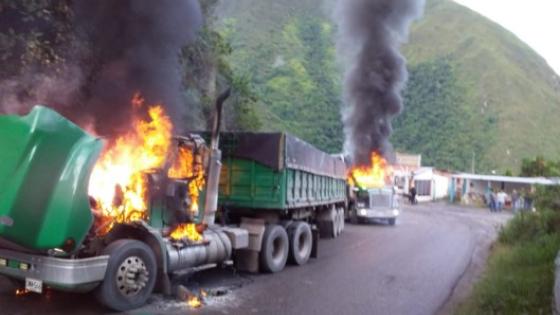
(536, 22)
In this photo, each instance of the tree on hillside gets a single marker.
(436, 121)
(539, 167)
(295, 77)
(207, 72)
(32, 35)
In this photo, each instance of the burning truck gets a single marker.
(372, 197)
(123, 217)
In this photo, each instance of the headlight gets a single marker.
(363, 212)
(395, 212)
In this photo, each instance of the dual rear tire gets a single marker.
(279, 245)
(274, 250)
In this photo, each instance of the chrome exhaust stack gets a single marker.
(214, 165)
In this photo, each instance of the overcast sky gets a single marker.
(536, 22)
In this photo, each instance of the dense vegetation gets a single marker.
(444, 134)
(476, 92)
(520, 275)
(293, 73)
(37, 40)
(31, 33)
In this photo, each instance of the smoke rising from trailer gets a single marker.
(125, 47)
(369, 38)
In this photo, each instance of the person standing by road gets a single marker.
(492, 200)
(412, 195)
(528, 199)
(501, 198)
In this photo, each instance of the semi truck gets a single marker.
(379, 203)
(267, 199)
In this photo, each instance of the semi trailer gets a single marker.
(266, 200)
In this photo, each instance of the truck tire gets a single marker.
(130, 276)
(354, 216)
(327, 222)
(274, 250)
(301, 243)
(392, 221)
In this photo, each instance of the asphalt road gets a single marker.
(423, 265)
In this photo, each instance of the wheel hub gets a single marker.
(132, 276)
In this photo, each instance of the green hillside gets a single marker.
(475, 90)
(508, 88)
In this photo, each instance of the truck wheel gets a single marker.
(274, 251)
(354, 216)
(130, 276)
(301, 242)
(392, 221)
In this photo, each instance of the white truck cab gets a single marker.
(374, 204)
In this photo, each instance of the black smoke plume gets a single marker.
(370, 35)
(124, 47)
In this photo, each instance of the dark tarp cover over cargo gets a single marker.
(280, 150)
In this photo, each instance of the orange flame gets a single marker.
(118, 183)
(21, 292)
(194, 301)
(186, 230)
(375, 175)
(189, 166)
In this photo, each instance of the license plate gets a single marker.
(34, 285)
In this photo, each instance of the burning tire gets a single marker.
(301, 242)
(274, 251)
(130, 276)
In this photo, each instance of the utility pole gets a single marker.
(473, 162)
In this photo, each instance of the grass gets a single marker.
(519, 278)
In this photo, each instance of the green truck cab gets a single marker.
(271, 210)
(46, 162)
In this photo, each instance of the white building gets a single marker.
(431, 184)
(474, 188)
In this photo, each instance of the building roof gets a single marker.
(510, 179)
(409, 160)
